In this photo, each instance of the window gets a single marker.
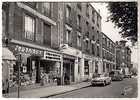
(29, 27)
(47, 34)
(103, 66)
(86, 72)
(98, 51)
(93, 38)
(47, 9)
(78, 40)
(98, 20)
(87, 34)
(78, 20)
(87, 10)
(93, 16)
(79, 6)
(93, 49)
(86, 45)
(68, 12)
(3, 23)
(78, 65)
(68, 36)
(31, 4)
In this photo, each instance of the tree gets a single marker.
(124, 16)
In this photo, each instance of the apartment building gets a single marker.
(30, 33)
(108, 54)
(82, 41)
(57, 39)
(123, 55)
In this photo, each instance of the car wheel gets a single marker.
(93, 84)
(110, 82)
(104, 84)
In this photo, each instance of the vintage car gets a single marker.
(128, 75)
(103, 79)
(116, 75)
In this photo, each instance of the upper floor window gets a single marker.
(86, 44)
(79, 5)
(93, 16)
(98, 51)
(78, 20)
(93, 49)
(68, 36)
(93, 37)
(87, 25)
(87, 10)
(31, 4)
(87, 34)
(98, 21)
(78, 39)
(3, 23)
(29, 27)
(47, 34)
(47, 9)
(68, 12)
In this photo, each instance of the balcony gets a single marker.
(69, 20)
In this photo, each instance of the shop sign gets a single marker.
(48, 55)
(28, 50)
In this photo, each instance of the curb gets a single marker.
(65, 92)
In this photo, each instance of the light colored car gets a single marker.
(103, 79)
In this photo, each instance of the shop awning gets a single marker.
(7, 54)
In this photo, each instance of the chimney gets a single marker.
(122, 42)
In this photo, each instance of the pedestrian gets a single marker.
(66, 79)
(42, 78)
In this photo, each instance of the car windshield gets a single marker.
(100, 75)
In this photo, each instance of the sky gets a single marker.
(109, 29)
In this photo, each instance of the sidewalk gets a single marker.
(48, 91)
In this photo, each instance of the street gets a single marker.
(114, 90)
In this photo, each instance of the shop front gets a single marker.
(50, 68)
(68, 69)
(28, 63)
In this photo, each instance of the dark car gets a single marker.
(116, 75)
(127, 75)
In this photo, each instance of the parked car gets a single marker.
(128, 75)
(103, 79)
(116, 75)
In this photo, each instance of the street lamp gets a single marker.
(19, 59)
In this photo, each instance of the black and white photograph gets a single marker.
(69, 49)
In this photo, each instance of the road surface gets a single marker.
(117, 89)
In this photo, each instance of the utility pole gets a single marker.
(19, 65)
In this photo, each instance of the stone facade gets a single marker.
(68, 34)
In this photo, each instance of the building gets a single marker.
(56, 40)
(123, 55)
(81, 43)
(108, 54)
(29, 30)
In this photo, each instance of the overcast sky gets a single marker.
(109, 30)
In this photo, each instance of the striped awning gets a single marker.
(7, 54)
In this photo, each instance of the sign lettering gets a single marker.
(28, 50)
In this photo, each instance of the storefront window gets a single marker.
(86, 68)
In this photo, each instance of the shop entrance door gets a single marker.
(66, 71)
